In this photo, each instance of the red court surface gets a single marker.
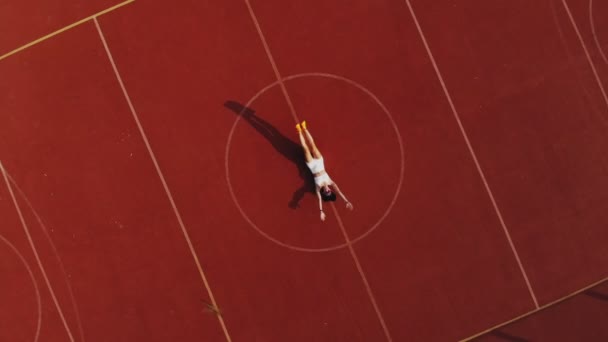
(22, 22)
(575, 319)
(153, 189)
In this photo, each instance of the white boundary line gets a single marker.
(162, 179)
(532, 312)
(35, 252)
(272, 62)
(580, 38)
(368, 288)
(293, 113)
(473, 155)
(595, 37)
(54, 248)
(63, 29)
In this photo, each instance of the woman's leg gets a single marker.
(315, 151)
(307, 155)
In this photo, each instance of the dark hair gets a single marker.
(331, 197)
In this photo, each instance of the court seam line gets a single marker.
(65, 28)
(473, 154)
(541, 308)
(35, 252)
(584, 46)
(348, 242)
(163, 181)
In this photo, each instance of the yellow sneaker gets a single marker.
(303, 124)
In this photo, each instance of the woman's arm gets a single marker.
(320, 204)
(348, 204)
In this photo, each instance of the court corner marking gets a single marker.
(534, 311)
(65, 28)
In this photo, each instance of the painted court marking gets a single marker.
(63, 29)
(544, 307)
(598, 107)
(594, 32)
(34, 283)
(472, 152)
(35, 251)
(401, 170)
(584, 46)
(293, 113)
(55, 252)
(368, 288)
(162, 179)
(272, 62)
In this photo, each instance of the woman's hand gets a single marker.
(322, 216)
(349, 206)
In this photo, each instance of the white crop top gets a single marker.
(317, 166)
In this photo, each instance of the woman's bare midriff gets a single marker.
(319, 173)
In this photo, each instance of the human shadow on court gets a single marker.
(596, 295)
(285, 146)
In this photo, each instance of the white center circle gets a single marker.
(389, 116)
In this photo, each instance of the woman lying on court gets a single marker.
(314, 161)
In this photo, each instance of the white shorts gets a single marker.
(316, 165)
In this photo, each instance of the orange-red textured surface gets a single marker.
(576, 319)
(427, 257)
(536, 117)
(26, 20)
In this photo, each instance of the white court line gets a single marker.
(532, 312)
(473, 155)
(580, 38)
(52, 244)
(272, 62)
(348, 242)
(163, 181)
(368, 288)
(35, 252)
(595, 37)
(34, 282)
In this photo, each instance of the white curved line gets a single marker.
(29, 271)
(587, 54)
(55, 252)
(595, 37)
(35, 251)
